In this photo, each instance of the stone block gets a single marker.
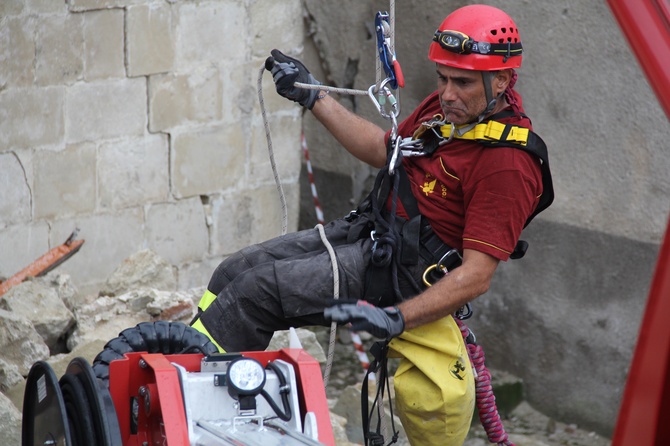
(197, 274)
(109, 239)
(177, 231)
(239, 90)
(133, 171)
(181, 99)
(45, 6)
(65, 181)
(149, 39)
(11, 7)
(207, 161)
(268, 26)
(99, 110)
(89, 5)
(23, 244)
(250, 216)
(104, 37)
(285, 134)
(211, 33)
(31, 117)
(59, 49)
(15, 192)
(17, 50)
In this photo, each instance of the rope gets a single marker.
(275, 171)
(486, 401)
(336, 295)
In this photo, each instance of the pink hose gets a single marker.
(486, 401)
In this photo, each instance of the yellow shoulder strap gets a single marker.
(491, 131)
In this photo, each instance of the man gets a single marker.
(473, 194)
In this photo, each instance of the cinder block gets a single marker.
(133, 171)
(268, 26)
(211, 32)
(99, 110)
(109, 240)
(15, 193)
(21, 245)
(59, 49)
(150, 39)
(177, 100)
(177, 231)
(208, 161)
(103, 34)
(31, 117)
(17, 51)
(64, 181)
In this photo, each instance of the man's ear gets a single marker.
(501, 81)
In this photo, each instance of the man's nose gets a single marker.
(448, 93)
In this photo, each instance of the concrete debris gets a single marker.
(48, 312)
(145, 269)
(42, 306)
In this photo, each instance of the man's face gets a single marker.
(462, 95)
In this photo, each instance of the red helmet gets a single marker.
(477, 37)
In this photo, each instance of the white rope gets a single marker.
(275, 171)
(336, 295)
(330, 89)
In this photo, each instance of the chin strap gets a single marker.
(487, 77)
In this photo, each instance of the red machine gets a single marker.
(255, 398)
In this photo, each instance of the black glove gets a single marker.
(383, 323)
(285, 72)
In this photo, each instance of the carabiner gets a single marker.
(394, 156)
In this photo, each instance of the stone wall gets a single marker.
(566, 317)
(138, 122)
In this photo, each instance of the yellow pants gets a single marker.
(434, 384)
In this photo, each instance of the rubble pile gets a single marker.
(46, 319)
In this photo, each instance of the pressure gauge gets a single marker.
(246, 376)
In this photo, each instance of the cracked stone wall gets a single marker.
(138, 122)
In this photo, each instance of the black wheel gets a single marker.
(44, 413)
(102, 414)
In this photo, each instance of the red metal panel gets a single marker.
(643, 417)
(646, 25)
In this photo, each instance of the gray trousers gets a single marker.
(287, 282)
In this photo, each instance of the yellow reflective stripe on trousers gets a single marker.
(205, 301)
(434, 384)
(491, 131)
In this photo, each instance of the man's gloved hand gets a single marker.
(384, 323)
(285, 72)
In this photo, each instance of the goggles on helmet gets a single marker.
(460, 43)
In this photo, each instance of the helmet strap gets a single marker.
(487, 78)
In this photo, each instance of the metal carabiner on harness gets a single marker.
(379, 97)
(394, 155)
